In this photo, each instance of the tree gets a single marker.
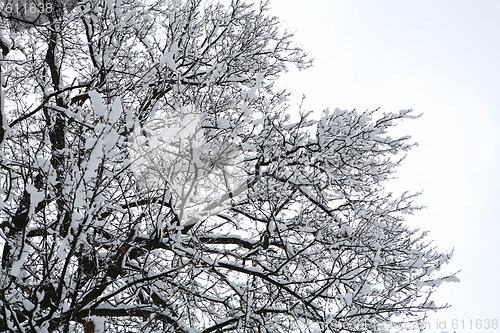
(153, 181)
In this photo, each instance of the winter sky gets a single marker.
(440, 58)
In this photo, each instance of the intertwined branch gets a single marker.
(254, 222)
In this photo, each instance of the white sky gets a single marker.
(441, 58)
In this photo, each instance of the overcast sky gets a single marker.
(440, 58)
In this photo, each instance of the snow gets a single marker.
(110, 140)
(63, 248)
(418, 263)
(247, 147)
(116, 111)
(17, 265)
(97, 103)
(251, 94)
(99, 324)
(189, 125)
(43, 163)
(451, 278)
(94, 161)
(223, 123)
(168, 133)
(168, 59)
(129, 119)
(35, 197)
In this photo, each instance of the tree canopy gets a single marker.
(154, 180)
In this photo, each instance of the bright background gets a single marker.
(440, 58)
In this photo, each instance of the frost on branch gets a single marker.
(152, 181)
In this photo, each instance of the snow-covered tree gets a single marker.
(152, 180)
